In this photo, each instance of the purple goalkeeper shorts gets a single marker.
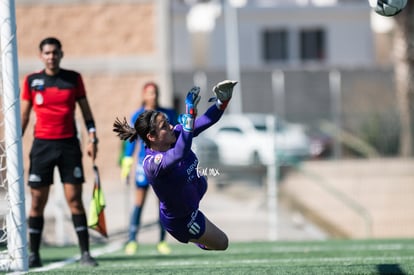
(185, 228)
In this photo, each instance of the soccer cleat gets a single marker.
(34, 260)
(131, 248)
(87, 260)
(163, 248)
(202, 246)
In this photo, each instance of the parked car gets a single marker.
(244, 139)
(206, 150)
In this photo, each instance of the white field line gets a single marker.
(112, 247)
(345, 260)
(316, 248)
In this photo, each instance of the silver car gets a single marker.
(245, 139)
(206, 150)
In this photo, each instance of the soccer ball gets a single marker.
(388, 7)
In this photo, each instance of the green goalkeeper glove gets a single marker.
(126, 165)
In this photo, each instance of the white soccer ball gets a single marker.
(388, 7)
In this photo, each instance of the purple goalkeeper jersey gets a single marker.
(173, 173)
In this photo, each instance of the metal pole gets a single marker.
(278, 86)
(232, 55)
(164, 54)
(335, 89)
(16, 217)
(200, 80)
(272, 181)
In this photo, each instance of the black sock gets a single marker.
(35, 233)
(162, 232)
(81, 228)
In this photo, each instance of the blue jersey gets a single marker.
(140, 179)
(173, 174)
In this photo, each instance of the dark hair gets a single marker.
(157, 90)
(143, 125)
(151, 83)
(50, 41)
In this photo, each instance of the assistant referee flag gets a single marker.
(96, 218)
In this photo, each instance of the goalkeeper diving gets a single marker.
(171, 166)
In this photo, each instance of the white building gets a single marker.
(274, 34)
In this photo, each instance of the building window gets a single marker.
(275, 44)
(312, 45)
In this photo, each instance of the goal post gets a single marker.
(13, 238)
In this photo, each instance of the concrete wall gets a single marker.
(355, 199)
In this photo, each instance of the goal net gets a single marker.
(13, 239)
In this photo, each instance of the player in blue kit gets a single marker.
(171, 166)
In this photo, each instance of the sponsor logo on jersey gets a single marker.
(39, 99)
(38, 84)
(192, 167)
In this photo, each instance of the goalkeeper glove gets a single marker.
(126, 165)
(191, 101)
(223, 91)
(187, 121)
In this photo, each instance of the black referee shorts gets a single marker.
(45, 155)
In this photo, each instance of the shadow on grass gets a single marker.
(390, 269)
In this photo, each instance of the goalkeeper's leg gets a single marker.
(213, 238)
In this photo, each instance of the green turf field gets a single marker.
(310, 257)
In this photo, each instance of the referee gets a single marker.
(52, 93)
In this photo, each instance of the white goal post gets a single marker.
(13, 228)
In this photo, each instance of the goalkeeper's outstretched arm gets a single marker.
(223, 92)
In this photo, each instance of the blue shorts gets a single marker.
(140, 178)
(183, 229)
